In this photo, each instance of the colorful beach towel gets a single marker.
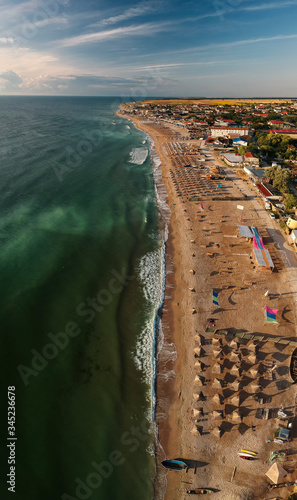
(271, 315)
(215, 297)
(202, 206)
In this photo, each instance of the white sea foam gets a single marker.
(138, 156)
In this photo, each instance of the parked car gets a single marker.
(271, 215)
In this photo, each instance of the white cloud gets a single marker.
(100, 36)
(6, 40)
(143, 8)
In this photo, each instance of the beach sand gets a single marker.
(203, 417)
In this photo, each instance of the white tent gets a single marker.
(276, 473)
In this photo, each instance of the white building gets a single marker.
(226, 131)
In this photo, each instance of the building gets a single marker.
(250, 159)
(291, 133)
(233, 160)
(226, 131)
(256, 175)
(269, 192)
(240, 142)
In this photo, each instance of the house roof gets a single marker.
(249, 155)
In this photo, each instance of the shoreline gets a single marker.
(192, 273)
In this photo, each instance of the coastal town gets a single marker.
(226, 393)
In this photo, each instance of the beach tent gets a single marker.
(276, 473)
(217, 384)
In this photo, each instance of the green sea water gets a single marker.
(80, 261)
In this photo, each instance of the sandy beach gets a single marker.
(218, 393)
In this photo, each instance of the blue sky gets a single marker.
(148, 48)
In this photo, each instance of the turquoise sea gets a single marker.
(81, 248)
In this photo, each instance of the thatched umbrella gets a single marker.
(235, 371)
(216, 353)
(235, 400)
(217, 368)
(236, 416)
(217, 414)
(198, 339)
(234, 357)
(198, 380)
(217, 399)
(252, 359)
(217, 431)
(197, 413)
(217, 384)
(253, 372)
(233, 344)
(216, 342)
(236, 385)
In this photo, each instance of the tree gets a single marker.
(290, 201)
(280, 178)
(242, 150)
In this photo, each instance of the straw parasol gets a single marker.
(252, 359)
(234, 357)
(197, 413)
(233, 344)
(217, 399)
(217, 368)
(236, 385)
(217, 431)
(235, 400)
(195, 431)
(198, 380)
(276, 473)
(217, 383)
(253, 372)
(198, 339)
(254, 388)
(236, 416)
(198, 366)
(197, 351)
(216, 342)
(216, 353)
(235, 371)
(217, 414)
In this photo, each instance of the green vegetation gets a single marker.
(280, 178)
(290, 201)
(273, 145)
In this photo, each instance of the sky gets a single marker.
(182, 48)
